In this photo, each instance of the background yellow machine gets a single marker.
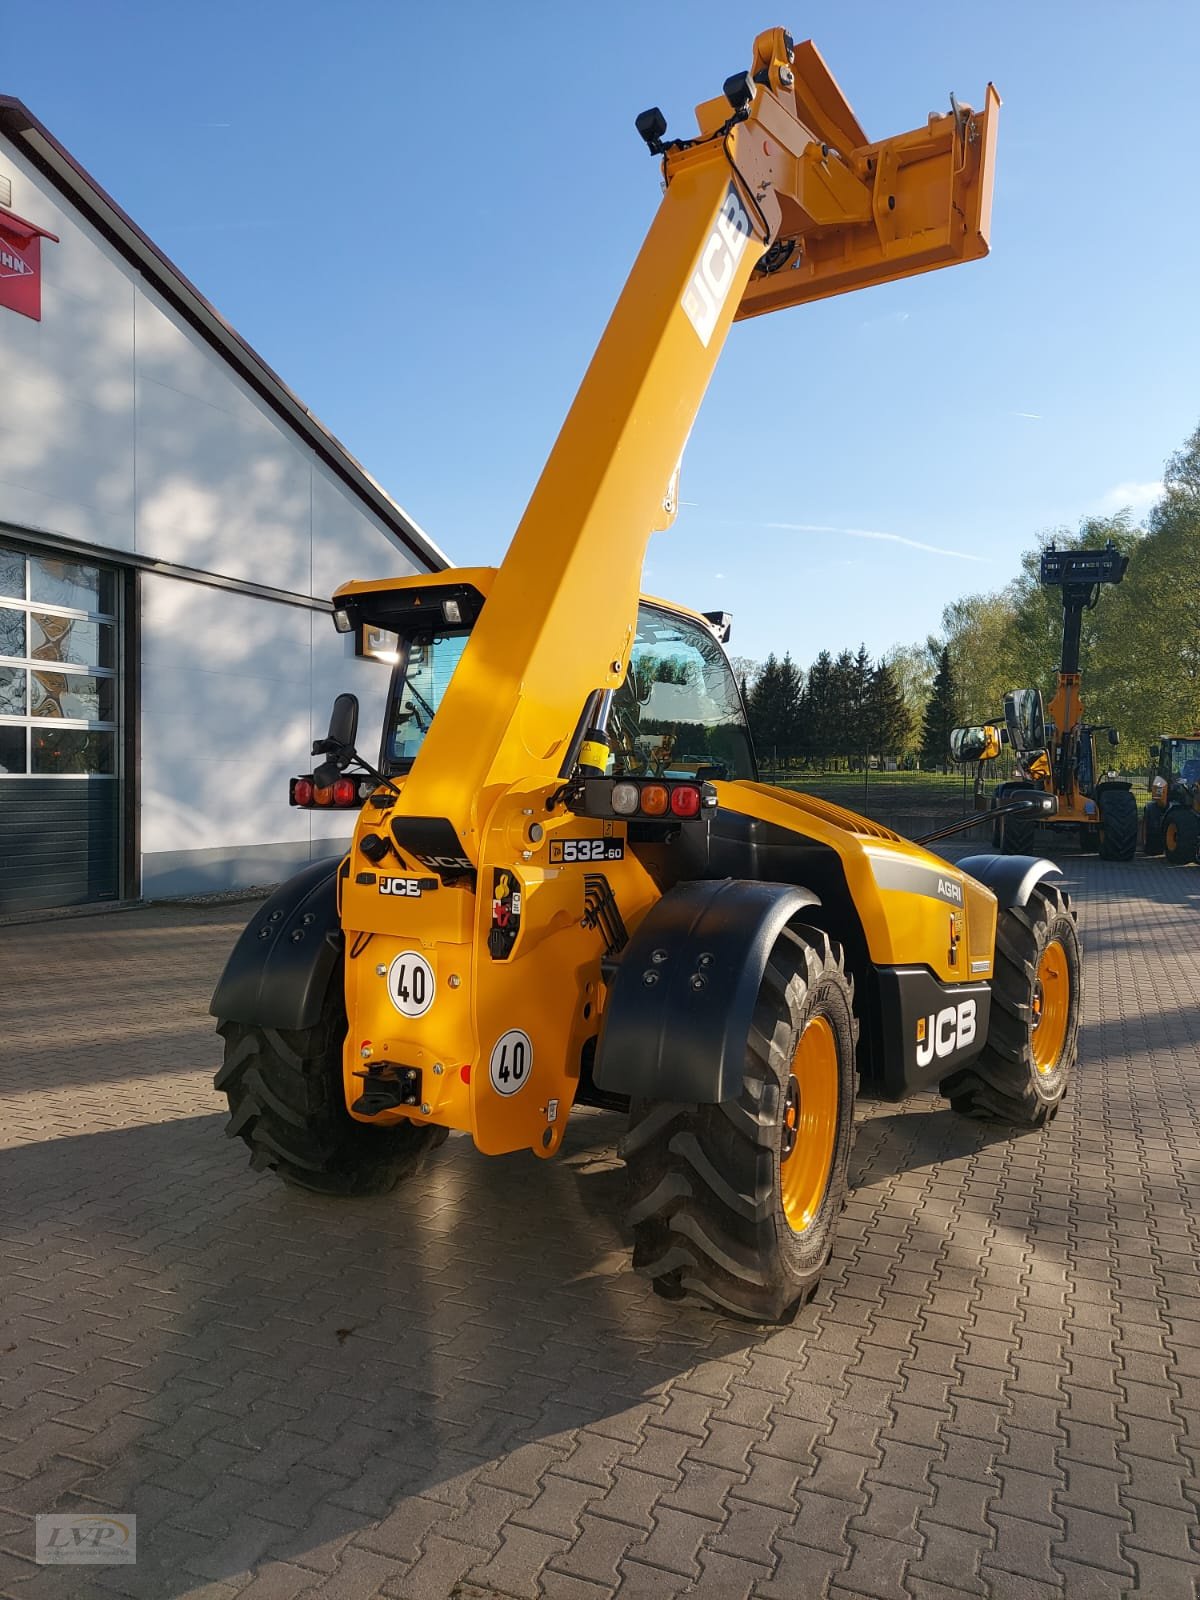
(1171, 818)
(1057, 751)
(566, 883)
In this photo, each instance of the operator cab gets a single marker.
(678, 714)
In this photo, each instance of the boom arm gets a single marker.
(778, 200)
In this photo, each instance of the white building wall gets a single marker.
(122, 428)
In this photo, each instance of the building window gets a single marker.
(58, 667)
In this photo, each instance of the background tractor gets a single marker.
(566, 883)
(1171, 818)
(1056, 751)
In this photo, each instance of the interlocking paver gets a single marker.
(995, 1393)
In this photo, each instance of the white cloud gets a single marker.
(1031, 416)
(1139, 497)
(874, 533)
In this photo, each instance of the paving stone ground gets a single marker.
(462, 1390)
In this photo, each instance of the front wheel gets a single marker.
(1181, 835)
(1023, 1070)
(738, 1202)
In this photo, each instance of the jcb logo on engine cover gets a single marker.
(709, 286)
(944, 1032)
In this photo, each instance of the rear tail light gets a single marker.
(629, 799)
(656, 797)
(685, 800)
(626, 798)
(344, 792)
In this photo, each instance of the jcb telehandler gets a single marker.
(566, 883)
(1171, 818)
(1059, 753)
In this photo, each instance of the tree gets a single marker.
(775, 709)
(888, 718)
(912, 667)
(939, 715)
(818, 708)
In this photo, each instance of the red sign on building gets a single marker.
(21, 264)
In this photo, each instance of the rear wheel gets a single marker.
(738, 1202)
(1180, 835)
(286, 1103)
(1152, 829)
(1118, 825)
(1022, 1072)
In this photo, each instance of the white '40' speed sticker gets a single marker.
(512, 1062)
(411, 984)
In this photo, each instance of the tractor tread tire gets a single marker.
(1152, 829)
(1002, 1083)
(1118, 825)
(704, 1179)
(286, 1104)
(1186, 826)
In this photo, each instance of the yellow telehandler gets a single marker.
(567, 884)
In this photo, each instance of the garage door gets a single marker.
(60, 748)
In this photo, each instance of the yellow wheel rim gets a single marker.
(810, 1117)
(1051, 1007)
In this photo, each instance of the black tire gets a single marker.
(705, 1181)
(1152, 829)
(1181, 835)
(1018, 836)
(286, 1103)
(1004, 1081)
(1118, 825)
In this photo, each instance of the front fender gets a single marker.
(680, 1008)
(1012, 879)
(279, 970)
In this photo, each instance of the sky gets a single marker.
(421, 216)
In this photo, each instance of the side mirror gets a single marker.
(343, 720)
(1114, 738)
(1154, 752)
(1026, 720)
(975, 744)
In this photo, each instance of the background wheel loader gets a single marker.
(566, 884)
(1058, 752)
(1171, 817)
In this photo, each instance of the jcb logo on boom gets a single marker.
(944, 1032)
(709, 286)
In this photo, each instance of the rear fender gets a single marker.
(279, 971)
(681, 1005)
(1012, 879)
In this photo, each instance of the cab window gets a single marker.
(426, 667)
(679, 713)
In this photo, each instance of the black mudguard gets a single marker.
(680, 1008)
(1012, 879)
(280, 968)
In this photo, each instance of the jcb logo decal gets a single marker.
(943, 1033)
(709, 287)
(400, 886)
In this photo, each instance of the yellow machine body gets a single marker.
(776, 202)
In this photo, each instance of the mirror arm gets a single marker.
(976, 818)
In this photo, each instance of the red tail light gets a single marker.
(685, 800)
(345, 792)
(302, 792)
